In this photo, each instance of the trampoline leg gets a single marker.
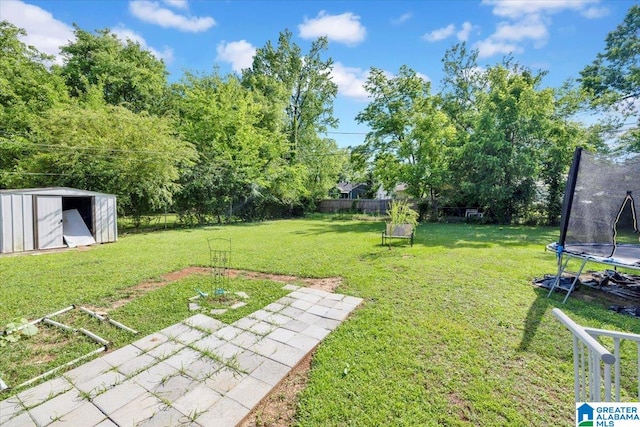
(573, 284)
(561, 268)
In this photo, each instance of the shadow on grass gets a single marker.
(450, 236)
(589, 304)
(534, 318)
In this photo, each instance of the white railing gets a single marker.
(592, 361)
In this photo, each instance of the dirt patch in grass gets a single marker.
(278, 409)
(463, 407)
(328, 284)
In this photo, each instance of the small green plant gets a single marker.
(401, 213)
(17, 329)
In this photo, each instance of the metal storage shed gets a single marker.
(32, 218)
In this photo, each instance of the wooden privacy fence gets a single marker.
(368, 206)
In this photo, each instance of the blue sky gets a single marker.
(560, 36)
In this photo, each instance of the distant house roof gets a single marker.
(398, 189)
(347, 187)
(351, 191)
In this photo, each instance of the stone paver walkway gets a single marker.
(199, 372)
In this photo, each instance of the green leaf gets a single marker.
(29, 330)
(11, 327)
(12, 338)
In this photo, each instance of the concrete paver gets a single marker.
(43, 392)
(122, 355)
(85, 414)
(101, 383)
(196, 401)
(138, 364)
(55, 408)
(137, 410)
(271, 372)
(224, 380)
(199, 372)
(168, 417)
(249, 392)
(150, 341)
(22, 420)
(155, 375)
(165, 350)
(113, 399)
(288, 355)
(183, 358)
(282, 335)
(107, 423)
(88, 371)
(202, 368)
(225, 412)
(10, 408)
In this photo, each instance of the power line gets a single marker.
(112, 153)
(67, 147)
(345, 133)
(38, 173)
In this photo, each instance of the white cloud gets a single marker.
(152, 12)
(518, 8)
(124, 33)
(345, 28)
(440, 33)
(177, 4)
(350, 81)
(595, 12)
(529, 21)
(491, 47)
(402, 18)
(443, 33)
(423, 76)
(463, 34)
(44, 32)
(240, 54)
(530, 27)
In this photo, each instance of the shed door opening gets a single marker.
(84, 206)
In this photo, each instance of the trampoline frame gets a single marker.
(562, 265)
(564, 255)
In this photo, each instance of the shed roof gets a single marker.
(55, 191)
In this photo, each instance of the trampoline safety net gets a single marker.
(599, 211)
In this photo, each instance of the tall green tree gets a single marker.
(27, 89)
(410, 135)
(299, 88)
(239, 162)
(128, 75)
(613, 78)
(500, 160)
(563, 135)
(515, 139)
(324, 161)
(463, 80)
(110, 149)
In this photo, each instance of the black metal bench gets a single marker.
(398, 231)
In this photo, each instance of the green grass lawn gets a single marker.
(451, 331)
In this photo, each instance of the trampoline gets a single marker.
(598, 221)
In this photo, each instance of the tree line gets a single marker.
(252, 145)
